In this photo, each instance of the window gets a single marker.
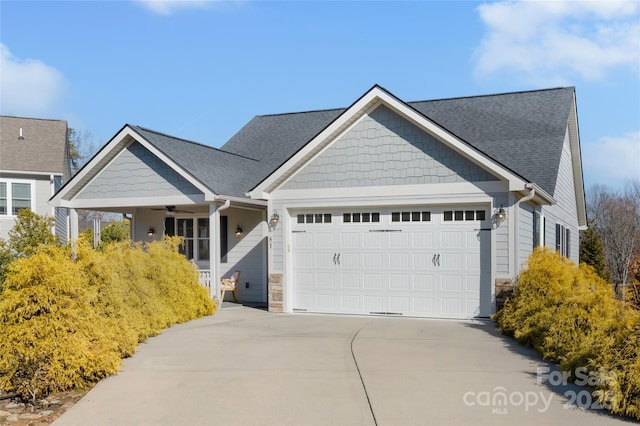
(14, 196)
(538, 229)
(411, 216)
(463, 215)
(3, 198)
(185, 230)
(365, 217)
(563, 240)
(314, 218)
(203, 238)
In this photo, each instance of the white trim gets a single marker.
(377, 96)
(27, 172)
(576, 159)
(93, 203)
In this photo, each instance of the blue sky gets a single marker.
(202, 69)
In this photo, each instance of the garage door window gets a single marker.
(314, 218)
(463, 215)
(411, 216)
(362, 217)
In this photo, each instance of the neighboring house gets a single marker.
(412, 208)
(34, 163)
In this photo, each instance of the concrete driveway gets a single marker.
(244, 366)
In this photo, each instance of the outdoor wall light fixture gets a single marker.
(274, 219)
(239, 232)
(151, 232)
(500, 214)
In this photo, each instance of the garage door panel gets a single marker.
(351, 303)
(350, 260)
(305, 279)
(373, 281)
(373, 303)
(351, 281)
(303, 240)
(305, 301)
(325, 280)
(372, 260)
(399, 304)
(451, 307)
(423, 261)
(399, 281)
(372, 240)
(423, 306)
(451, 239)
(325, 240)
(423, 282)
(423, 240)
(324, 260)
(327, 302)
(451, 261)
(472, 283)
(399, 260)
(350, 240)
(473, 239)
(451, 283)
(398, 240)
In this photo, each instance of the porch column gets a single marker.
(73, 226)
(214, 250)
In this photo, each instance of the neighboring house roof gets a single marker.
(523, 131)
(223, 172)
(43, 148)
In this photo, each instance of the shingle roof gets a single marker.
(523, 131)
(43, 149)
(223, 172)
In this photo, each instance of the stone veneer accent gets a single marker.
(504, 290)
(275, 293)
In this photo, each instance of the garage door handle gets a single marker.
(338, 258)
(433, 260)
(438, 259)
(334, 258)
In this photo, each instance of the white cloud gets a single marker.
(552, 41)
(167, 7)
(612, 160)
(29, 87)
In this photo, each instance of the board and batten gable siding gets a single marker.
(136, 172)
(61, 214)
(247, 254)
(385, 149)
(565, 211)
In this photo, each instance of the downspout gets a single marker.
(516, 212)
(215, 274)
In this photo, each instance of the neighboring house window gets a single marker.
(14, 196)
(3, 198)
(538, 229)
(21, 197)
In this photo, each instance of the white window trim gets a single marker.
(196, 235)
(32, 190)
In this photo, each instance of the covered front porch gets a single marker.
(218, 237)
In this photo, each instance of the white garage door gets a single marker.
(416, 261)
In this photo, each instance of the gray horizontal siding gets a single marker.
(385, 149)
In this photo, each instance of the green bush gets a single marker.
(66, 319)
(570, 315)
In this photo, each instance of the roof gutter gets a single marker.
(532, 193)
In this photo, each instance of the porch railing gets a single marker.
(204, 277)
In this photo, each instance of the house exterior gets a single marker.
(34, 163)
(424, 209)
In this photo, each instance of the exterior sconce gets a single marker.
(274, 219)
(239, 232)
(500, 214)
(151, 232)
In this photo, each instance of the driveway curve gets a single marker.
(245, 366)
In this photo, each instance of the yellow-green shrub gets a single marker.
(67, 320)
(570, 315)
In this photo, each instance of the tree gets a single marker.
(591, 250)
(617, 220)
(81, 148)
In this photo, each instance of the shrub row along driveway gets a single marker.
(249, 367)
